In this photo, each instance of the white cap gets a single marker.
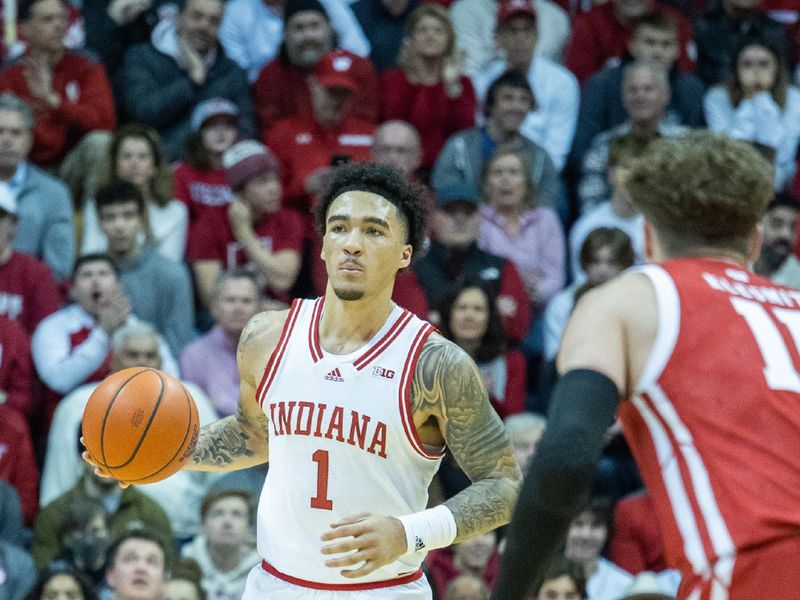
(646, 586)
(8, 202)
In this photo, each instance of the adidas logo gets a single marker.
(418, 544)
(334, 375)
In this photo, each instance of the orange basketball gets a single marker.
(141, 425)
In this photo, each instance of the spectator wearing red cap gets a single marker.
(256, 233)
(551, 122)
(281, 89)
(200, 181)
(429, 90)
(307, 145)
(602, 35)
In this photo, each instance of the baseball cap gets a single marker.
(8, 201)
(515, 8)
(461, 192)
(245, 160)
(293, 7)
(212, 108)
(335, 69)
(646, 586)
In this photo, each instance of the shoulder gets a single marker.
(442, 361)
(260, 337)
(551, 73)
(80, 58)
(394, 75)
(39, 181)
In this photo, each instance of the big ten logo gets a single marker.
(381, 372)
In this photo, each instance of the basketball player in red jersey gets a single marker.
(704, 355)
(353, 401)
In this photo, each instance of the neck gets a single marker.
(429, 70)
(232, 336)
(7, 172)
(469, 346)
(520, 64)
(225, 558)
(95, 491)
(50, 57)
(621, 207)
(590, 567)
(5, 254)
(215, 158)
(644, 128)
(132, 252)
(500, 136)
(345, 326)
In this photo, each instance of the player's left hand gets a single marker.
(374, 540)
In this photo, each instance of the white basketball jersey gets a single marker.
(341, 441)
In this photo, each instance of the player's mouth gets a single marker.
(350, 267)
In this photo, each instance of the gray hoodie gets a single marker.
(218, 585)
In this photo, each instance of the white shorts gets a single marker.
(265, 586)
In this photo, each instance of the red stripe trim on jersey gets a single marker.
(383, 343)
(313, 330)
(277, 353)
(405, 394)
(342, 587)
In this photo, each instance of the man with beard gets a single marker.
(779, 230)
(282, 90)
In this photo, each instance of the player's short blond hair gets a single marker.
(701, 190)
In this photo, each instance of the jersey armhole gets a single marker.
(275, 358)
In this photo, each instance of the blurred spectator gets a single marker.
(469, 317)
(16, 370)
(17, 571)
(586, 539)
(72, 346)
(601, 36)
(472, 21)
(86, 538)
(253, 31)
(466, 587)
(256, 233)
(309, 145)
(524, 430)
(60, 581)
(759, 105)
(655, 38)
(645, 96)
(28, 292)
(138, 564)
(44, 207)
(454, 256)
(606, 252)
(17, 462)
(564, 580)
(184, 581)
(429, 89)
(183, 65)
(210, 361)
(383, 23)
(726, 26)
(124, 508)
(200, 181)
(133, 345)
(135, 156)
(69, 93)
(618, 211)
(476, 556)
(514, 226)
(779, 236)
(464, 156)
(225, 549)
(11, 526)
(553, 114)
(159, 289)
(281, 89)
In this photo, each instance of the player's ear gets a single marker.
(405, 256)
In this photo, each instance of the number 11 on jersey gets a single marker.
(321, 500)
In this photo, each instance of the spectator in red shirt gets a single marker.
(308, 145)
(281, 89)
(16, 369)
(256, 233)
(602, 35)
(476, 556)
(28, 292)
(200, 181)
(17, 463)
(69, 93)
(430, 90)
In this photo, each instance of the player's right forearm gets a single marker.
(229, 444)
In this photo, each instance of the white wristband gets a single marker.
(429, 529)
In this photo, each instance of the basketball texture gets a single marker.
(141, 425)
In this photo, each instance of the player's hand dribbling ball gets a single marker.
(140, 425)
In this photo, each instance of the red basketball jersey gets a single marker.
(714, 422)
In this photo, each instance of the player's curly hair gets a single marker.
(701, 190)
(387, 182)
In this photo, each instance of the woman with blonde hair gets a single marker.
(429, 90)
(135, 156)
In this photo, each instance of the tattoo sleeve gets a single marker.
(447, 384)
(240, 440)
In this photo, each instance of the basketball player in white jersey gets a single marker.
(353, 401)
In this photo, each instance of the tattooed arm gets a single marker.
(240, 440)
(447, 388)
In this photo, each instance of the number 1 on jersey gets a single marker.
(321, 500)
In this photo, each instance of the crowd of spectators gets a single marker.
(158, 163)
